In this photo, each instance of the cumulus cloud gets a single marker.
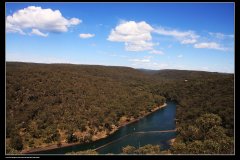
(209, 45)
(135, 35)
(185, 37)
(86, 35)
(37, 32)
(156, 52)
(39, 20)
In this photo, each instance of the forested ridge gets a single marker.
(64, 103)
(205, 110)
(72, 103)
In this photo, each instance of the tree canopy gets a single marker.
(55, 103)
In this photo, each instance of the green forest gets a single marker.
(65, 103)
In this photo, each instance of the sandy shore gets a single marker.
(171, 141)
(64, 144)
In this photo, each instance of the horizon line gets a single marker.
(118, 66)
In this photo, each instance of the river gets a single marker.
(163, 119)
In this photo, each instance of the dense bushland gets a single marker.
(58, 103)
(73, 103)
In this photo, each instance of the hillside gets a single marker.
(50, 103)
(205, 110)
(64, 103)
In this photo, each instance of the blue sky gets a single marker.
(189, 36)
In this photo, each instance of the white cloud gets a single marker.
(37, 32)
(140, 60)
(220, 35)
(159, 65)
(180, 56)
(156, 52)
(136, 35)
(74, 21)
(147, 63)
(32, 17)
(143, 60)
(37, 58)
(205, 68)
(138, 46)
(225, 41)
(188, 41)
(173, 33)
(185, 37)
(210, 45)
(14, 29)
(86, 35)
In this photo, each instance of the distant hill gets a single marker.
(173, 74)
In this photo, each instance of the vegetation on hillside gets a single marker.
(202, 97)
(63, 103)
(60, 103)
(205, 136)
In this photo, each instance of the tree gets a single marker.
(149, 149)
(190, 133)
(216, 133)
(211, 147)
(128, 149)
(227, 145)
(206, 136)
(179, 148)
(207, 121)
(10, 150)
(90, 151)
(16, 142)
(159, 100)
(195, 147)
(31, 143)
(71, 138)
(59, 143)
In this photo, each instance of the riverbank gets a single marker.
(64, 144)
(171, 141)
(53, 146)
(135, 120)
